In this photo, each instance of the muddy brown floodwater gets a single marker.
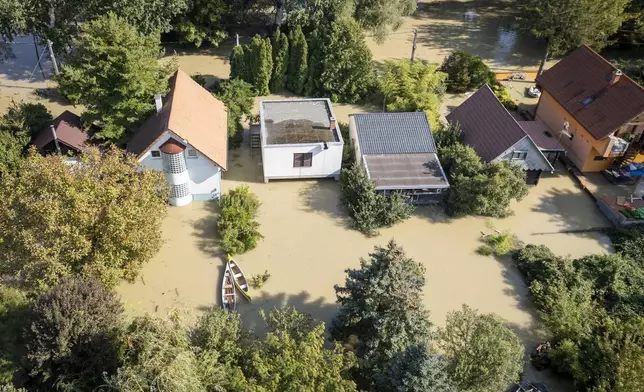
(308, 245)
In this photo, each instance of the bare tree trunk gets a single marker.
(544, 59)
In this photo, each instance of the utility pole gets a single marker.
(413, 48)
(52, 19)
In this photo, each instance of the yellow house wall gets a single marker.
(583, 147)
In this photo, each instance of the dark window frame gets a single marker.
(304, 159)
(519, 155)
(157, 152)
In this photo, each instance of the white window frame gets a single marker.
(189, 151)
(522, 155)
(155, 151)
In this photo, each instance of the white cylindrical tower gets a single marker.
(176, 172)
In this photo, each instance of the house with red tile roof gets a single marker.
(594, 110)
(65, 135)
(186, 139)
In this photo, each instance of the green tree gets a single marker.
(416, 87)
(73, 336)
(14, 311)
(237, 225)
(369, 209)
(348, 74)
(18, 125)
(568, 24)
(106, 222)
(217, 341)
(262, 65)
(205, 20)
(629, 241)
(280, 61)
(147, 16)
(157, 357)
(292, 358)
(477, 188)
(12, 19)
(316, 63)
(381, 308)
(239, 97)
(382, 16)
(24, 120)
(238, 64)
(466, 72)
(483, 354)
(297, 61)
(114, 73)
(417, 369)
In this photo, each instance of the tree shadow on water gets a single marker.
(205, 229)
(323, 196)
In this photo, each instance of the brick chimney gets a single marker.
(614, 77)
(332, 123)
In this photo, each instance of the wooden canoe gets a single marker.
(228, 295)
(240, 280)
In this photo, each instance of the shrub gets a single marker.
(73, 335)
(106, 222)
(348, 156)
(200, 79)
(629, 241)
(253, 63)
(368, 208)
(236, 224)
(24, 120)
(504, 96)
(483, 354)
(500, 244)
(239, 97)
(416, 369)
(297, 62)
(466, 72)
(157, 357)
(14, 308)
(413, 87)
(257, 281)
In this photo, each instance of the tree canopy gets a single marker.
(106, 222)
(205, 21)
(73, 336)
(382, 16)
(239, 98)
(381, 308)
(113, 71)
(483, 354)
(413, 87)
(417, 369)
(237, 225)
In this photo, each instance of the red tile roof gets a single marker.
(193, 114)
(580, 83)
(486, 125)
(69, 130)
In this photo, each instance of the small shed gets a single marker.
(65, 135)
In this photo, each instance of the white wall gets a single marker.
(205, 175)
(534, 159)
(278, 161)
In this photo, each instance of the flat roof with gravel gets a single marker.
(297, 121)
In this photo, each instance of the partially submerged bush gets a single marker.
(499, 244)
(257, 281)
(236, 224)
(504, 96)
(369, 209)
(629, 241)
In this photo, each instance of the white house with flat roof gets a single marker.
(300, 138)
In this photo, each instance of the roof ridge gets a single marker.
(602, 58)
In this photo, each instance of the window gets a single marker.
(192, 153)
(303, 160)
(156, 154)
(519, 155)
(588, 101)
(599, 158)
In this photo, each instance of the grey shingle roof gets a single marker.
(486, 125)
(394, 133)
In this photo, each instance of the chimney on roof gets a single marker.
(332, 123)
(158, 102)
(53, 132)
(614, 77)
